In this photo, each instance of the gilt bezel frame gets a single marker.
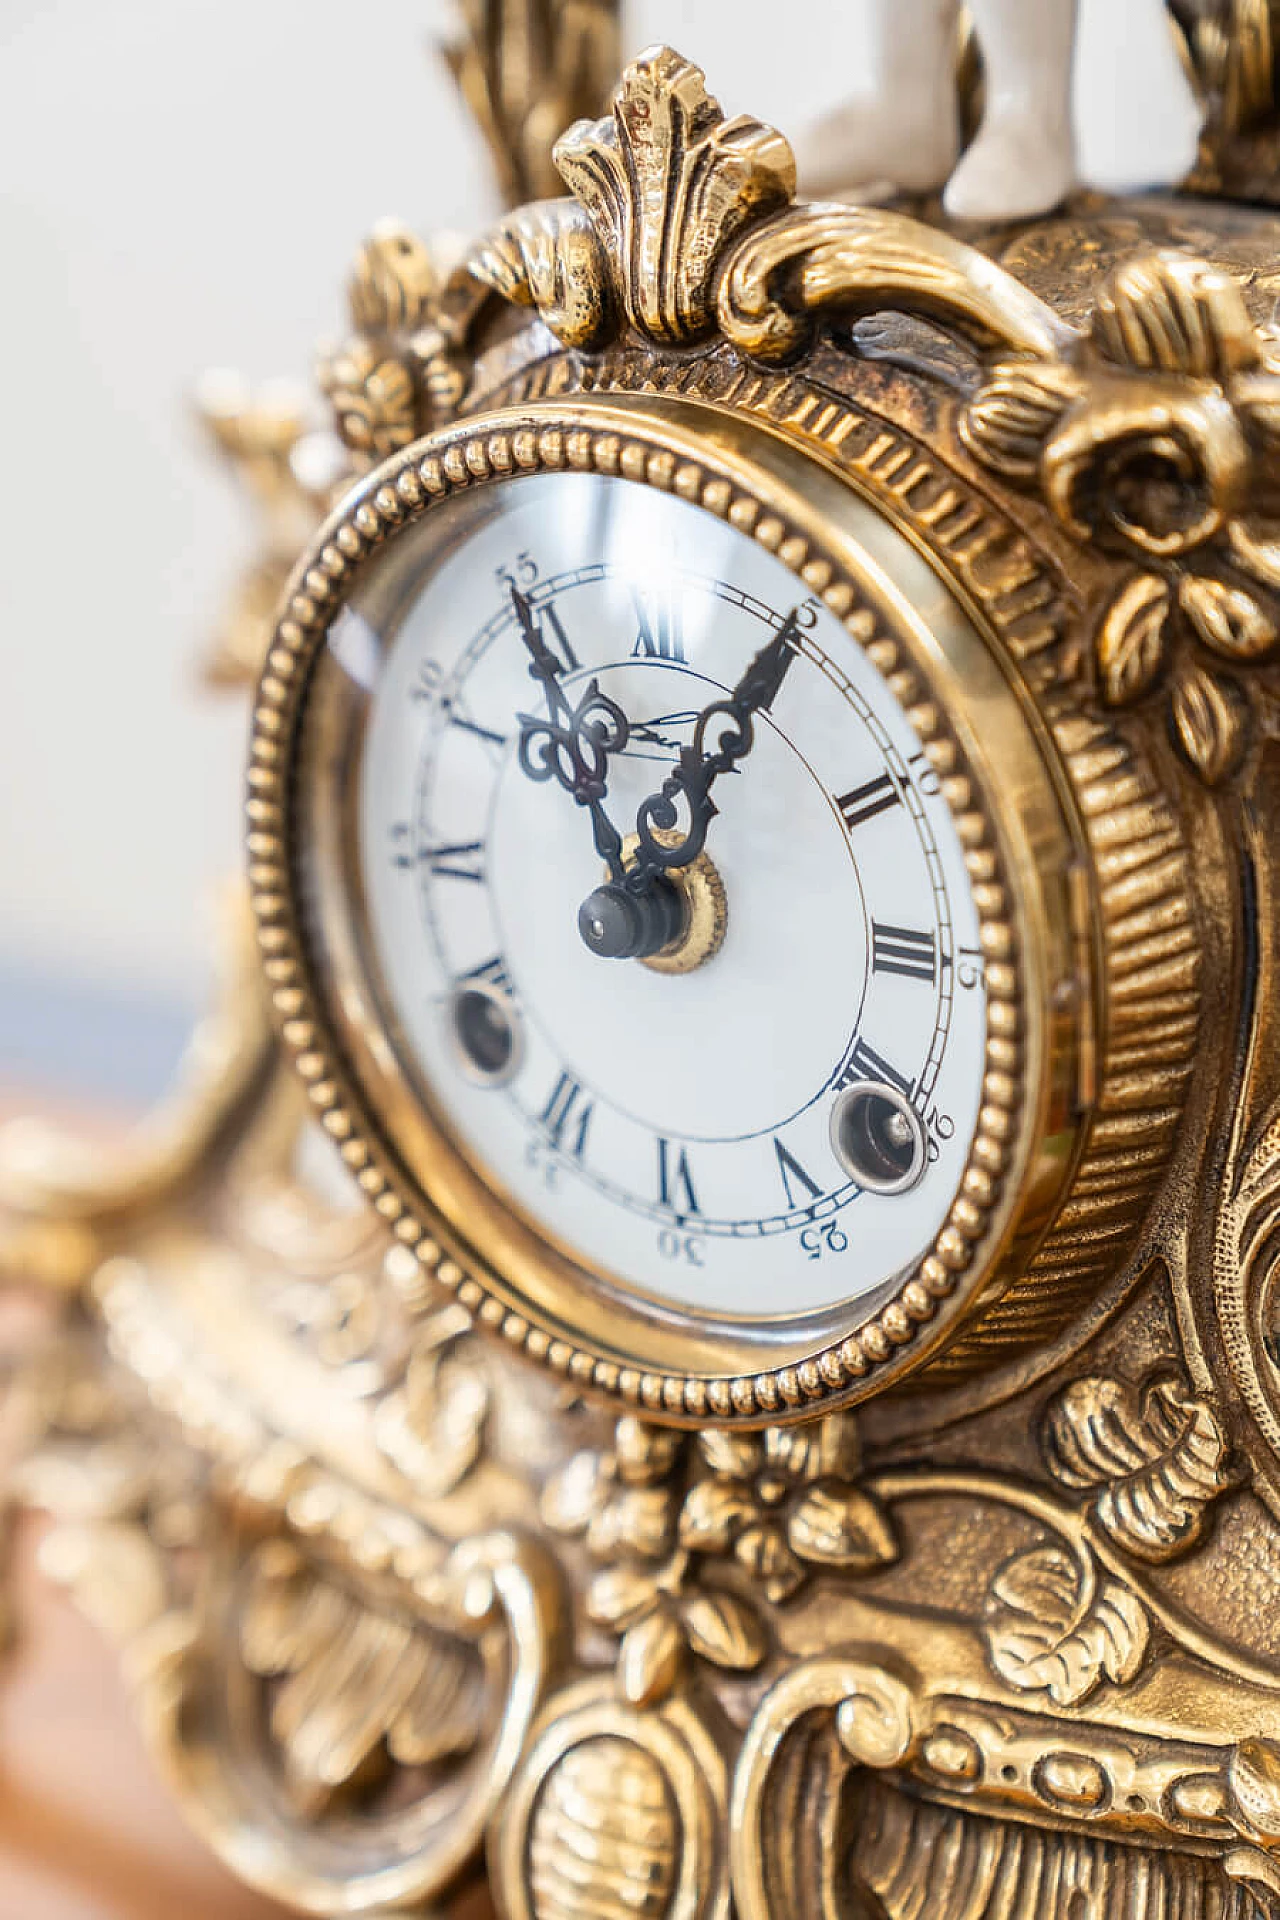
(746, 473)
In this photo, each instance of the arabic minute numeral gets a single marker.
(686, 1247)
(904, 951)
(426, 681)
(939, 1127)
(830, 1237)
(542, 1159)
(567, 1115)
(793, 1175)
(969, 967)
(522, 573)
(925, 775)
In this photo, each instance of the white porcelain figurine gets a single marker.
(1076, 91)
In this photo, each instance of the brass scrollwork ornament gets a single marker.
(704, 1339)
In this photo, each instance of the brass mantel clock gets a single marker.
(762, 836)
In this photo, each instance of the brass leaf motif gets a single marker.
(1131, 639)
(1167, 313)
(548, 256)
(352, 1683)
(645, 1454)
(649, 1658)
(668, 182)
(373, 399)
(393, 282)
(713, 1515)
(1209, 723)
(1045, 1635)
(573, 1496)
(835, 1525)
(636, 1520)
(1253, 1777)
(764, 1553)
(1227, 619)
(733, 1454)
(1158, 1455)
(724, 1630)
(1010, 418)
(619, 1595)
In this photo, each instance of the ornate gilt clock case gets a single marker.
(893, 1549)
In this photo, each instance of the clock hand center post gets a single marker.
(643, 911)
(572, 744)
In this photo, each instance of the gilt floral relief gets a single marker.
(1156, 441)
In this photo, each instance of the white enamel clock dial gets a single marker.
(696, 1138)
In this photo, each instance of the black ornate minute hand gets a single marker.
(573, 743)
(623, 919)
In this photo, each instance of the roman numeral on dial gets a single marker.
(675, 1182)
(794, 1176)
(864, 1063)
(492, 973)
(555, 637)
(567, 1115)
(468, 725)
(658, 619)
(461, 860)
(903, 950)
(863, 803)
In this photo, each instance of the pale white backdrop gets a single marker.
(183, 186)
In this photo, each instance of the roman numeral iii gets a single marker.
(903, 950)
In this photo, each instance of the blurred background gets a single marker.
(184, 187)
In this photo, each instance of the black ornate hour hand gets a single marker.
(574, 741)
(623, 919)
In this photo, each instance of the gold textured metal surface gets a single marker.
(1003, 1640)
